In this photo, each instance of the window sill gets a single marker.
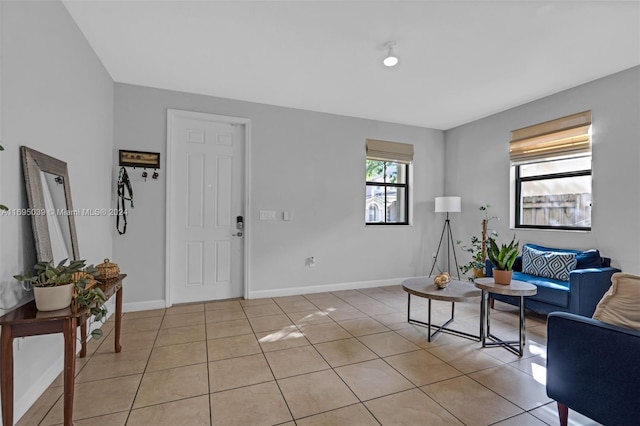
(579, 231)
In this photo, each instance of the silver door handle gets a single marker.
(239, 234)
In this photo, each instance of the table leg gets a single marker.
(522, 336)
(83, 338)
(6, 375)
(429, 322)
(69, 330)
(118, 325)
(487, 312)
(483, 337)
(441, 328)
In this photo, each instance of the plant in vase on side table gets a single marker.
(502, 258)
(57, 287)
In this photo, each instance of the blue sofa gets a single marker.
(592, 368)
(579, 295)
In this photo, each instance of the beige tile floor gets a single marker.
(341, 358)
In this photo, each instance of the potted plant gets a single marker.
(502, 258)
(478, 246)
(53, 286)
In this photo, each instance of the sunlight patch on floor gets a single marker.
(290, 332)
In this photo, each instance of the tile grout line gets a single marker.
(145, 367)
(270, 369)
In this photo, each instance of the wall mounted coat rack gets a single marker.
(139, 159)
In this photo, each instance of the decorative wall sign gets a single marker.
(140, 159)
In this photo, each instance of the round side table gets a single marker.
(456, 291)
(516, 288)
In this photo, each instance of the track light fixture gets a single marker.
(391, 60)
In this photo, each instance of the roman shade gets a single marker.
(389, 151)
(563, 137)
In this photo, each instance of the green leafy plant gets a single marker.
(478, 246)
(504, 256)
(477, 258)
(45, 274)
(94, 299)
(2, 206)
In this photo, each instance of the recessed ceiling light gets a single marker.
(391, 59)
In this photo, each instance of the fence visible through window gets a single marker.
(565, 210)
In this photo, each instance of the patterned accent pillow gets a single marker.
(548, 264)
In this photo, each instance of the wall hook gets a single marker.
(145, 174)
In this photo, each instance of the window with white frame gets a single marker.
(552, 169)
(387, 182)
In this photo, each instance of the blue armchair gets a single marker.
(592, 368)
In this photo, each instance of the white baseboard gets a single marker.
(278, 292)
(294, 291)
(143, 306)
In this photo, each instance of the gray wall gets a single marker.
(56, 98)
(308, 163)
(477, 169)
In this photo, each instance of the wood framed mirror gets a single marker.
(52, 214)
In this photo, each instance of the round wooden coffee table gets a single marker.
(516, 288)
(456, 291)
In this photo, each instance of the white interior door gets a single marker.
(206, 171)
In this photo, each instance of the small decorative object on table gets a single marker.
(442, 280)
(108, 270)
(503, 258)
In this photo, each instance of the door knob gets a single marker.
(239, 234)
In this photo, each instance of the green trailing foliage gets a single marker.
(93, 298)
(503, 257)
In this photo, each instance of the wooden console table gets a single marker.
(28, 321)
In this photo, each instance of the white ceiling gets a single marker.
(459, 60)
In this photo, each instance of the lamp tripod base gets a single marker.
(446, 229)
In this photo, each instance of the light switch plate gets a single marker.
(267, 215)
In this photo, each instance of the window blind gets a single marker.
(563, 137)
(389, 151)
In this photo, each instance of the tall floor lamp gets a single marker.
(447, 205)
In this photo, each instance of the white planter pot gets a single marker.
(53, 298)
